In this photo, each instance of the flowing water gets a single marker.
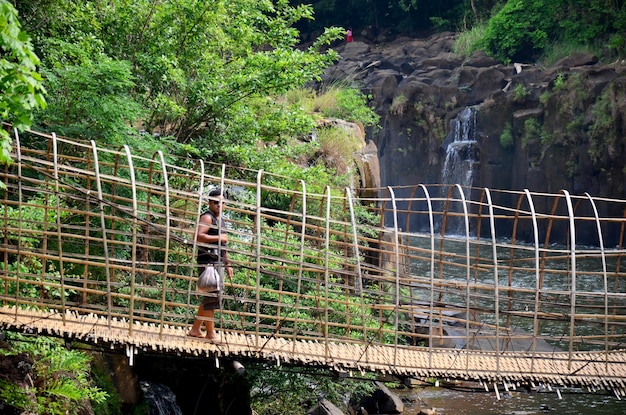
(461, 157)
(550, 399)
(454, 402)
(555, 285)
(160, 399)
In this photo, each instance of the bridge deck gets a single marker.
(583, 369)
(428, 281)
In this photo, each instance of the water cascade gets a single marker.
(460, 160)
(461, 153)
(160, 398)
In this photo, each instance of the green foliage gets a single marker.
(617, 44)
(61, 382)
(338, 149)
(337, 101)
(532, 130)
(520, 93)
(92, 100)
(398, 106)
(506, 139)
(604, 133)
(351, 105)
(470, 40)
(557, 50)
(559, 82)
(522, 30)
(21, 86)
(598, 19)
(519, 30)
(200, 72)
(284, 390)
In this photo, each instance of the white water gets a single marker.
(160, 398)
(460, 153)
(458, 167)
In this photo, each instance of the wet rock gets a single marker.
(382, 401)
(324, 407)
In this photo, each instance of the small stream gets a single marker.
(454, 402)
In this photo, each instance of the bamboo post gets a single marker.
(604, 277)
(194, 248)
(538, 280)
(18, 149)
(467, 270)
(431, 306)
(300, 265)
(219, 245)
(326, 271)
(259, 181)
(105, 238)
(496, 282)
(572, 328)
(135, 217)
(167, 239)
(58, 223)
(396, 249)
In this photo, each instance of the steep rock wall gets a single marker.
(544, 129)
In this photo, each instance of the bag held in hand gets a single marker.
(209, 280)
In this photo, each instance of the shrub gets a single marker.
(506, 139)
(520, 93)
(519, 31)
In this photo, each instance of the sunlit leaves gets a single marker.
(21, 89)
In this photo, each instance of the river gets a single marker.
(454, 402)
(570, 401)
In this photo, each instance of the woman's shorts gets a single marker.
(213, 301)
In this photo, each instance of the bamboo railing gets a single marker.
(91, 231)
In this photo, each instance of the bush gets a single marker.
(61, 383)
(518, 31)
(506, 139)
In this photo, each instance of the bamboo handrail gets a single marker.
(94, 231)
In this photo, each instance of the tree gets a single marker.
(21, 88)
(521, 30)
(204, 72)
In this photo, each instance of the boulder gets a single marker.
(324, 407)
(382, 401)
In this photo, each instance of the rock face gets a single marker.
(381, 401)
(324, 407)
(542, 129)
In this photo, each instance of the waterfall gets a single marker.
(461, 158)
(161, 399)
(461, 149)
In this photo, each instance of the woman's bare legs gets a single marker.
(204, 317)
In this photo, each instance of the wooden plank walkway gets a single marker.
(587, 369)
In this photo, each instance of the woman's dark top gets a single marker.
(209, 255)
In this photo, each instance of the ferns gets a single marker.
(59, 379)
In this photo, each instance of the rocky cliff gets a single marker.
(540, 128)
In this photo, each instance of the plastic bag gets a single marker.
(209, 280)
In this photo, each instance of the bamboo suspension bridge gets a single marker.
(98, 246)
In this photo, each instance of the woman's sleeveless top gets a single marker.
(210, 255)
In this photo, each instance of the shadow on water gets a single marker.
(454, 402)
